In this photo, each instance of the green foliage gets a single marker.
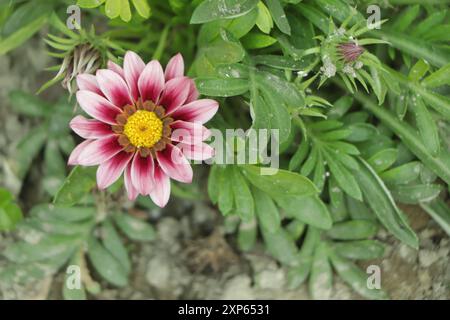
(10, 212)
(347, 157)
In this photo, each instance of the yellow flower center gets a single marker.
(143, 128)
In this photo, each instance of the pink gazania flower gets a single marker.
(147, 123)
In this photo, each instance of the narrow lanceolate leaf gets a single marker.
(134, 228)
(281, 246)
(226, 195)
(307, 209)
(403, 174)
(417, 193)
(112, 242)
(221, 87)
(360, 249)
(321, 280)
(142, 8)
(383, 159)
(438, 78)
(440, 212)
(21, 35)
(279, 16)
(380, 200)
(355, 278)
(213, 183)
(266, 210)
(427, 126)
(353, 230)
(281, 183)
(343, 177)
(108, 267)
(298, 274)
(243, 198)
(210, 10)
(247, 234)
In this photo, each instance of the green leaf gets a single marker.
(73, 293)
(353, 230)
(247, 234)
(415, 194)
(278, 15)
(280, 62)
(125, 11)
(438, 78)
(226, 195)
(321, 279)
(299, 156)
(267, 212)
(281, 183)
(418, 70)
(210, 10)
(134, 228)
(142, 8)
(80, 181)
(28, 148)
(221, 87)
(343, 177)
(105, 264)
(243, 198)
(213, 183)
(10, 215)
(379, 199)
(383, 159)
(27, 104)
(355, 278)
(113, 8)
(89, 4)
(281, 246)
(403, 174)
(255, 40)
(359, 249)
(21, 35)
(427, 126)
(308, 209)
(298, 274)
(264, 20)
(68, 214)
(112, 242)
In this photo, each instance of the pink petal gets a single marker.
(73, 158)
(88, 82)
(175, 94)
(116, 68)
(199, 152)
(131, 190)
(151, 82)
(175, 164)
(97, 107)
(142, 174)
(199, 111)
(189, 132)
(133, 67)
(108, 172)
(175, 67)
(193, 92)
(114, 87)
(161, 193)
(90, 128)
(99, 151)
